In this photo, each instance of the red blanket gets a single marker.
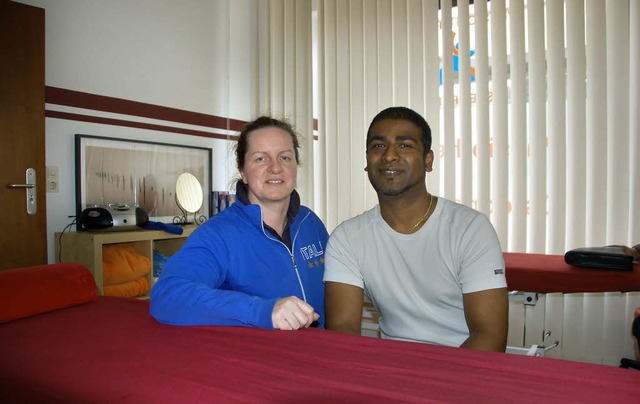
(112, 350)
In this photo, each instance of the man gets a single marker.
(432, 268)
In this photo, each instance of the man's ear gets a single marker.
(428, 161)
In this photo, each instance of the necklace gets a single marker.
(422, 219)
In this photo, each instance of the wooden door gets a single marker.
(23, 236)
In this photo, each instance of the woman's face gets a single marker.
(270, 167)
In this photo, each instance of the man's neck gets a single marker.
(405, 210)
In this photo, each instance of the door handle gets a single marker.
(30, 187)
(21, 186)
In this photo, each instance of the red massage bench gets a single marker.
(549, 273)
(79, 347)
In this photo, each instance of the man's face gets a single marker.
(396, 161)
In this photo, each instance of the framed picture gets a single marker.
(111, 171)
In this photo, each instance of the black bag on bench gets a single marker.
(600, 257)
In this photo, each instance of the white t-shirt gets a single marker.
(416, 281)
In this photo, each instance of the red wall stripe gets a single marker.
(71, 98)
(78, 99)
(134, 124)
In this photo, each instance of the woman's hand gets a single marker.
(292, 313)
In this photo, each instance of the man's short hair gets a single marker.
(406, 114)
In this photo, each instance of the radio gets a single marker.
(114, 216)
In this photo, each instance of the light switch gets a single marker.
(52, 179)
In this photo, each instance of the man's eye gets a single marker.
(406, 146)
(377, 146)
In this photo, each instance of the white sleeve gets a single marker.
(482, 263)
(341, 264)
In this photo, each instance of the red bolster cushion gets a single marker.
(33, 290)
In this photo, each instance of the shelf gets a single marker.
(86, 247)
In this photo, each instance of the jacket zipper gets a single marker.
(293, 258)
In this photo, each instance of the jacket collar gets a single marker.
(292, 211)
(294, 202)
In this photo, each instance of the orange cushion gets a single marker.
(134, 288)
(33, 290)
(121, 263)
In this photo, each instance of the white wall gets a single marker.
(179, 54)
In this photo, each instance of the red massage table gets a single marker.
(111, 350)
(59, 342)
(549, 273)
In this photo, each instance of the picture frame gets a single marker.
(118, 172)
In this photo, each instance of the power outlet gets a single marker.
(53, 179)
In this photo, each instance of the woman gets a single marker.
(259, 262)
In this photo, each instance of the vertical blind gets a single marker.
(285, 75)
(533, 105)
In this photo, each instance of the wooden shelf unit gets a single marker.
(86, 247)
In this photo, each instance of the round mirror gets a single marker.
(189, 193)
